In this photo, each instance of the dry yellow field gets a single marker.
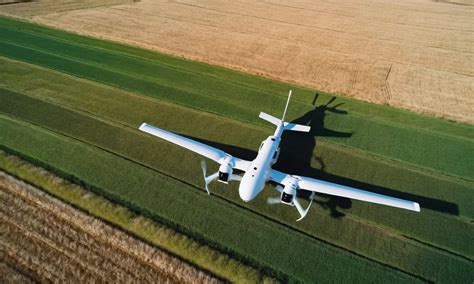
(412, 54)
(43, 239)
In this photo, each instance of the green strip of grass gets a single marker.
(428, 142)
(392, 249)
(240, 233)
(141, 226)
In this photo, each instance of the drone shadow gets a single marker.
(297, 155)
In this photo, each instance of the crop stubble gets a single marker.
(415, 55)
(45, 239)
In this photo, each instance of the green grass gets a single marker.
(238, 232)
(143, 227)
(361, 237)
(390, 151)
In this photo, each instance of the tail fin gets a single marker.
(286, 125)
(286, 107)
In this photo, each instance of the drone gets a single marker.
(259, 172)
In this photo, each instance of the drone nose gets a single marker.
(245, 195)
(246, 192)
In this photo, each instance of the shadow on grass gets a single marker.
(297, 153)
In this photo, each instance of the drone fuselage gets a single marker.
(254, 179)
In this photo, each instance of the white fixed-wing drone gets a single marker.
(259, 171)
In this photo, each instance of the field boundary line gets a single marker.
(443, 250)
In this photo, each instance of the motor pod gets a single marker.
(288, 193)
(225, 172)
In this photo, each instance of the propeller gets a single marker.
(273, 200)
(207, 179)
(302, 211)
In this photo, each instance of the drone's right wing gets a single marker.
(329, 188)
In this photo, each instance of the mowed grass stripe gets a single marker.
(415, 146)
(307, 260)
(393, 250)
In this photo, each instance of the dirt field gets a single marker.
(413, 54)
(43, 239)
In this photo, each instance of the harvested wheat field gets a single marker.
(43, 239)
(415, 55)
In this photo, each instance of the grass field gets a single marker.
(374, 149)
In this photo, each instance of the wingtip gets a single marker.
(142, 126)
(416, 207)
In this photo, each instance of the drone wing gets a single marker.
(195, 146)
(329, 188)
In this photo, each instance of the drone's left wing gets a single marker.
(329, 188)
(212, 153)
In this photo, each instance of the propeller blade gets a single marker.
(211, 178)
(273, 200)
(235, 177)
(300, 209)
(279, 188)
(203, 167)
(208, 179)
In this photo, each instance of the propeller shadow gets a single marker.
(297, 156)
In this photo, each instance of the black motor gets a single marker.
(224, 177)
(286, 198)
(225, 171)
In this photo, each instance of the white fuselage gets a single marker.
(258, 174)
